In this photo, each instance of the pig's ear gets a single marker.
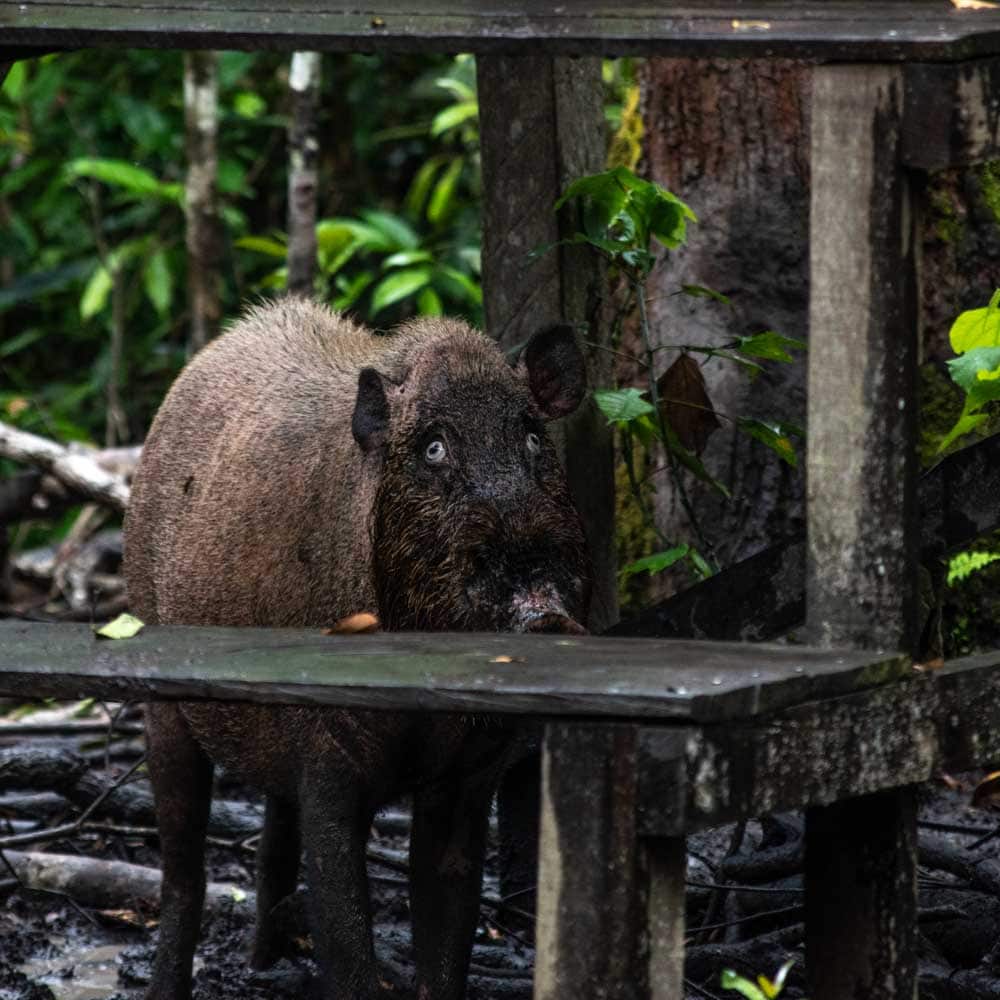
(555, 370)
(370, 422)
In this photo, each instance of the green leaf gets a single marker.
(263, 244)
(396, 231)
(122, 627)
(701, 565)
(769, 345)
(429, 303)
(95, 295)
(120, 173)
(13, 86)
(775, 436)
(965, 424)
(977, 327)
(655, 563)
(458, 285)
(352, 290)
(443, 196)
(978, 365)
(703, 292)
(158, 281)
(453, 116)
(248, 104)
(398, 286)
(458, 88)
(420, 186)
(964, 564)
(733, 981)
(621, 406)
(405, 258)
(10, 346)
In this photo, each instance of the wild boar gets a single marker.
(303, 469)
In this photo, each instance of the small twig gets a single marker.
(783, 911)
(736, 887)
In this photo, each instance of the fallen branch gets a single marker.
(79, 472)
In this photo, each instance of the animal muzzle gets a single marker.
(543, 612)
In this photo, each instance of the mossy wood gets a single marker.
(888, 30)
(495, 673)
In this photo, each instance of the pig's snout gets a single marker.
(555, 624)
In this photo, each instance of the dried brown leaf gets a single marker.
(929, 665)
(987, 793)
(362, 622)
(685, 405)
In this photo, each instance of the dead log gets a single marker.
(108, 885)
(79, 472)
(40, 768)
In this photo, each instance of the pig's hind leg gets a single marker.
(277, 876)
(181, 774)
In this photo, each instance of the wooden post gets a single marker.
(861, 575)
(590, 940)
(542, 125)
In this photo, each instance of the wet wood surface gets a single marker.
(519, 674)
(830, 30)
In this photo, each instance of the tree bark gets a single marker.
(203, 237)
(729, 138)
(303, 157)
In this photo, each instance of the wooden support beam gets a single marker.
(592, 917)
(542, 126)
(861, 570)
(952, 114)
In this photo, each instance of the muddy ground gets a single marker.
(53, 946)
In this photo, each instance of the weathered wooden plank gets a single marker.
(542, 126)
(818, 753)
(952, 114)
(883, 31)
(506, 673)
(861, 579)
(592, 918)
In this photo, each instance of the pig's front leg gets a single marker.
(336, 818)
(447, 845)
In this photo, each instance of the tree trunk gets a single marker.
(204, 237)
(303, 156)
(730, 138)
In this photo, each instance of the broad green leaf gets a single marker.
(975, 367)
(621, 406)
(775, 436)
(691, 462)
(453, 116)
(604, 197)
(977, 327)
(398, 286)
(405, 258)
(703, 292)
(459, 88)
(158, 281)
(95, 294)
(122, 627)
(22, 176)
(966, 423)
(420, 186)
(773, 989)
(733, 981)
(443, 196)
(394, 229)
(429, 303)
(655, 563)
(769, 345)
(458, 285)
(352, 289)
(751, 366)
(701, 565)
(263, 244)
(13, 86)
(120, 173)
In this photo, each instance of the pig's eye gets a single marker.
(435, 452)
(534, 443)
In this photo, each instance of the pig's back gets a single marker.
(251, 501)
